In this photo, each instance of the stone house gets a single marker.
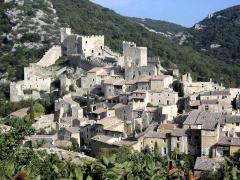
(66, 107)
(203, 131)
(113, 87)
(70, 132)
(226, 146)
(191, 87)
(163, 97)
(94, 77)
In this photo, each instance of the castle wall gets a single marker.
(50, 57)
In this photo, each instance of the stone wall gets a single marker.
(50, 57)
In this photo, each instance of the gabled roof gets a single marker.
(208, 120)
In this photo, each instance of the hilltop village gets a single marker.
(104, 99)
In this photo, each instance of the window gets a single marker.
(164, 150)
(206, 108)
(178, 145)
(178, 138)
(237, 124)
(139, 115)
(101, 47)
(93, 80)
(86, 42)
(167, 102)
(92, 51)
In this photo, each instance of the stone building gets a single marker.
(136, 62)
(37, 79)
(203, 131)
(190, 87)
(70, 132)
(226, 146)
(87, 46)
(67, 109)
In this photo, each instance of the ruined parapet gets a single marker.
(187, 78)
(156, 62)
(17, 92)
(50, 57)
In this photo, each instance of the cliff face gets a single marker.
(27, 29)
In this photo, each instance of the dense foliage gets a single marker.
(160, 26)
(222, 28)
(87, 18)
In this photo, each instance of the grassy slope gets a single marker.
(87, 18)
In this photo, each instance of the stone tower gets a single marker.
(64, 33)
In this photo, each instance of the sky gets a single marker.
(183, 12)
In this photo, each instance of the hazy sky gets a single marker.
(184, 12)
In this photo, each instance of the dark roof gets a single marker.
(208, 120)
(206, 164)
(214, 101)
(216, 93)
(229, 141)
(232, 119)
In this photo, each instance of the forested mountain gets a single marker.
(218, 35)
(161, 27)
